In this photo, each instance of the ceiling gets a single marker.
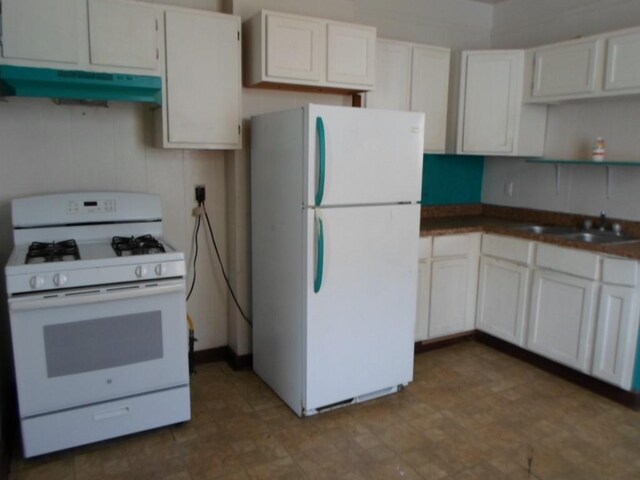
(490, 1)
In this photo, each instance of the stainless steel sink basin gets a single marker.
(600, 237)
(570, 233)
(546, 229)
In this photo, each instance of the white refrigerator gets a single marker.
(335, 226)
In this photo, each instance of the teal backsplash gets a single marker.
(452, 179)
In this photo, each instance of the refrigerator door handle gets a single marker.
(322, 159)
(317, 283)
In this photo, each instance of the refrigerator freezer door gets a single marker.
(363, 156)
(360, 322)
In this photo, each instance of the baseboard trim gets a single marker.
(616, 394)
(223, 354)
(429, 345)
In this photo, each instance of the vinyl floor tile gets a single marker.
(470, 413)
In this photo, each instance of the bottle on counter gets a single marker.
(598, 150)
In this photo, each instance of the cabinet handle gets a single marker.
(321, 168)
(317, 283)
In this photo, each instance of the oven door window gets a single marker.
(98, 345)
(108, 342)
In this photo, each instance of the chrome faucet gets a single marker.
(603, 221)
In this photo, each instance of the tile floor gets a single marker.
(471, 413)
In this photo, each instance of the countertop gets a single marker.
(437, 221)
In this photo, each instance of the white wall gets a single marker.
(571, 128)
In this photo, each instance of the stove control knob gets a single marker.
(37, 281)
(59, 279)
(160, 269)
(141, 271)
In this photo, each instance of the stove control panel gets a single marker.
(91, 206)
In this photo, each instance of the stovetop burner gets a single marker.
(143, 245)
(42, 252)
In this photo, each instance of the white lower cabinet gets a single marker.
(502, 299)
(617, 323)
(561, 318)
(448, 284)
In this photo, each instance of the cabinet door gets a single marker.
(616, 335)
(502, 299)
(430, 93)
(294, 48)
(561, 318)
(41, 30)
(123, 34)
(203, 79)
(448, 305)
(566, 69)
(351, 54)
(424, 290)
(623, 62)
(393, 76)
(491, 88)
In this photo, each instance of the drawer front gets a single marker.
(424, 247)
(42, 434)
(619, 271)
(451, 245)
(573, 262)
(519, 251)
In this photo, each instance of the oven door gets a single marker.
(85, 346)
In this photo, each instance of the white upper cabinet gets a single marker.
(599, 66)
(414, 77)
(430, 93)
(351, 54)
(201, 107)
(90, 35)
(566, 69)
(41, 30)
(393, 76)
(623, 62)
(492, 119)
(123, 34)
(296, 50)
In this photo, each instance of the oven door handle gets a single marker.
(94, 296)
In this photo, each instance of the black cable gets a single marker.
(224, 274)
(195, 257)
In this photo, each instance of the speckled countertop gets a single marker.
(451, 220)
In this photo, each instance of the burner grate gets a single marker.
(43, 252)
(143, 245)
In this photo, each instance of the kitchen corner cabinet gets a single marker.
(617, 323)
(503, 287)
(492, 119)
(447, 285)
(91, 35)
(201, 96)
(296, 50)
(563, 299)
(414, 77)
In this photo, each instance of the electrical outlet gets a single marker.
(200, 193)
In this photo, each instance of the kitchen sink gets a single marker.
(546, 229)
(600, 237)
(570, 233)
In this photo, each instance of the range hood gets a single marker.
(79, 85)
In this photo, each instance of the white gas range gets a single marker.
(98, 319)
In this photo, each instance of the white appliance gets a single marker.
(335, 229)
(98, 319)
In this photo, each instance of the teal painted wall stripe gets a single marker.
(452, 179)
(635, 385)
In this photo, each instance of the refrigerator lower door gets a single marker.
(361, 301)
